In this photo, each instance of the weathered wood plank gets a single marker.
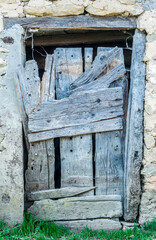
(108, 148)
(134, 129)
(98, 67)
(88, 58)
(58, 193)
(95, 127)
(96, 224)
(111, 77)
(30, 85)
(23, 115)
(109, 163)
(75, 22)
(48, 81)
(97, 104)
(37, 172)
(69, 66)
(90, 207)
(76, 161)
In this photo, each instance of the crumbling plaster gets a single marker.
(11, 181)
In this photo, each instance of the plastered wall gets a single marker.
(11, 157)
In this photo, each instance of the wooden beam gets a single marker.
(78, 22)
(68, 38)
(134, 129)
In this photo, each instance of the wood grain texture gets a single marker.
(48, 80)
(98, 67)
(31, 86)
(109, 147)
(38, 174)
(101, 105)
(111, 77)
(24, 117)
(65, 192)
(75, 22)
(134, 129)
(90, 207)
(75, 152)
(95, 127)
(109, 163)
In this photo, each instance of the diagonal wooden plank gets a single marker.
(98, 67)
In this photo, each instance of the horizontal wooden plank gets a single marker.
(95, 127)
(90, 207)
(84, 108)
(96, 224)
(75, 22)
(58, 193)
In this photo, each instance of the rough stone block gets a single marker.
(149, 141)
(97, 224)
(150, 53)
(148, 206)
(114, 7)
(147, 22)
(151, 71)
(56, 8)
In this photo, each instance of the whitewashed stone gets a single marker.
(113, 7)
(150, 53)
(150, 123)
(150, 88)
(151, 71)
(151, 183)
(1, 23)
(148, 206)
(147, 22)
(11, 147)
(57, 8)
(149, 170)
(149, 141)
(149, 156)
(150, 103)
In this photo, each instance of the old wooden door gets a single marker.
(80, 102)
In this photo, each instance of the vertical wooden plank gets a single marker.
(75, 152)
(31, 86)
(108, 163)
(41, 157)
(109, 155)
(88, 58)
(37, 172)
(134, 129)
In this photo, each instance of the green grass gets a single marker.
(31, 229)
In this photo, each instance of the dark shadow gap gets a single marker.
(57, 176)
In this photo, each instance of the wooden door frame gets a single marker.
(134, 128)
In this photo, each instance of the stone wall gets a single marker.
(10, 126)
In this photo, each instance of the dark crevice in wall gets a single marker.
(57, 176)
